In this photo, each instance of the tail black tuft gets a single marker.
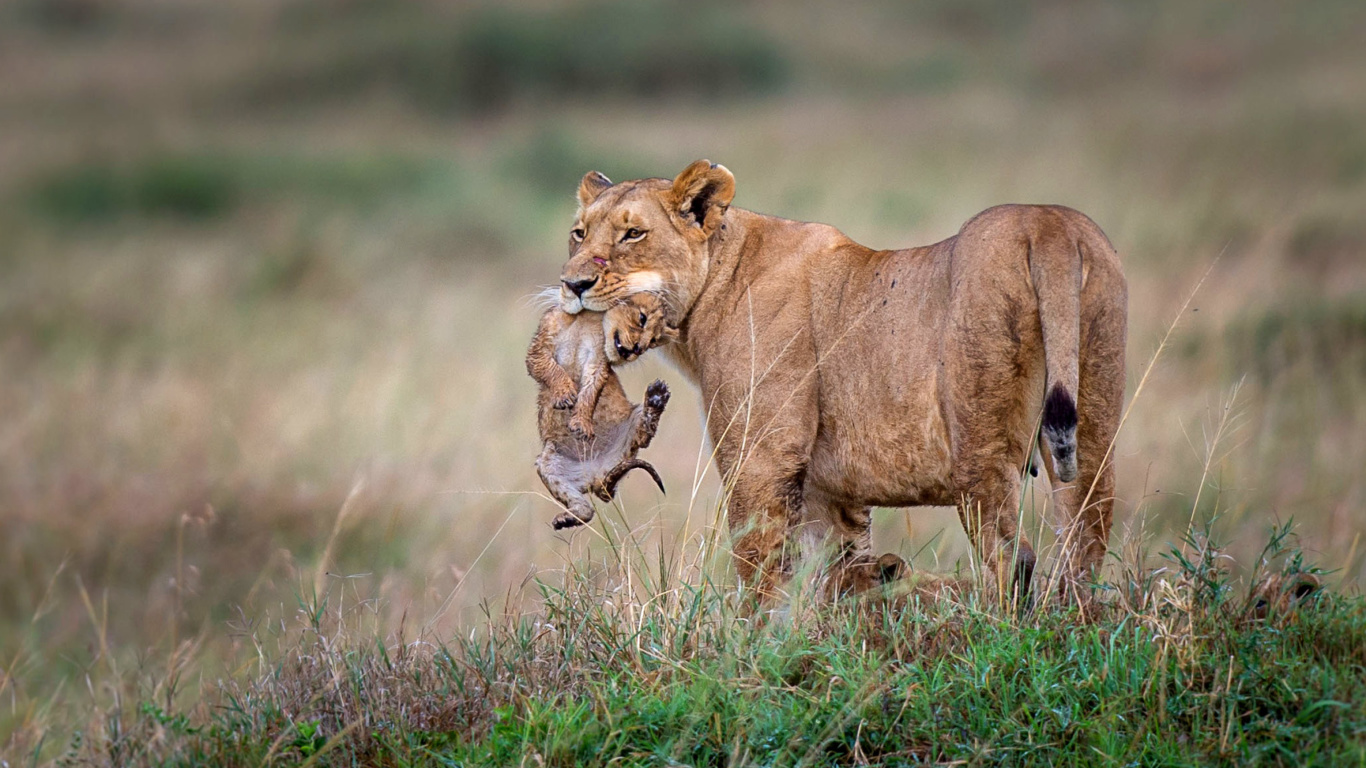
(1060, 431)
(1059, 411)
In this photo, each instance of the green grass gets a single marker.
(627, 665)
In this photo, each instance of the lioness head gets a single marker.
(635, 325)
(645, 235)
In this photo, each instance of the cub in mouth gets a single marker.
(590, 431)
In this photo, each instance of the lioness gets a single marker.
(835, 377)
(590, 431)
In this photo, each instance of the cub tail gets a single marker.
(608, 489)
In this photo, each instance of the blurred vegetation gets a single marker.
(190, 187)
(206, 186)
(554, 160)
(494, 56)
(1309, 336)
(1326, 336)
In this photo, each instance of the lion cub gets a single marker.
(590, 431)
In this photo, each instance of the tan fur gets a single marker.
(1280, 593)
(836, 378)
(590, 431)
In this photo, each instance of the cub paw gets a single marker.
(570, 520)
(564, 398)
(581, 426)
(657, 395)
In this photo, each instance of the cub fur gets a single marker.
(590, 431)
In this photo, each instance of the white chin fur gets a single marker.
(646, 281)
(571, 305)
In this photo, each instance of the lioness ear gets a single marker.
(702, 193)
(593, 184)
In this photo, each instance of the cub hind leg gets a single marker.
(656, 397)
(645, 421)
(562, 476)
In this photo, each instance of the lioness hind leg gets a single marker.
(990, 516)
(993, 369)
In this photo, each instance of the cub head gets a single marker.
(635, 325)
(1279, 593)
(648, 235)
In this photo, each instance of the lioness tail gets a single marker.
(1056, 269)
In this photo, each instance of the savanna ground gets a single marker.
(266, 272)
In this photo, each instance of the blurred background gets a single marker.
(267, 271)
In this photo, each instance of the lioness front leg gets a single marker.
(759, 516)
(764, 505)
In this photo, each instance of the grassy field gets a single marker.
(637, 661)
(266, 272)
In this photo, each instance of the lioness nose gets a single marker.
(579, 286)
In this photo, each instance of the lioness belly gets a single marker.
(890, 452)
(882, 439)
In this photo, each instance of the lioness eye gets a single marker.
(577, 234)
(642, 319)
(633, 234)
